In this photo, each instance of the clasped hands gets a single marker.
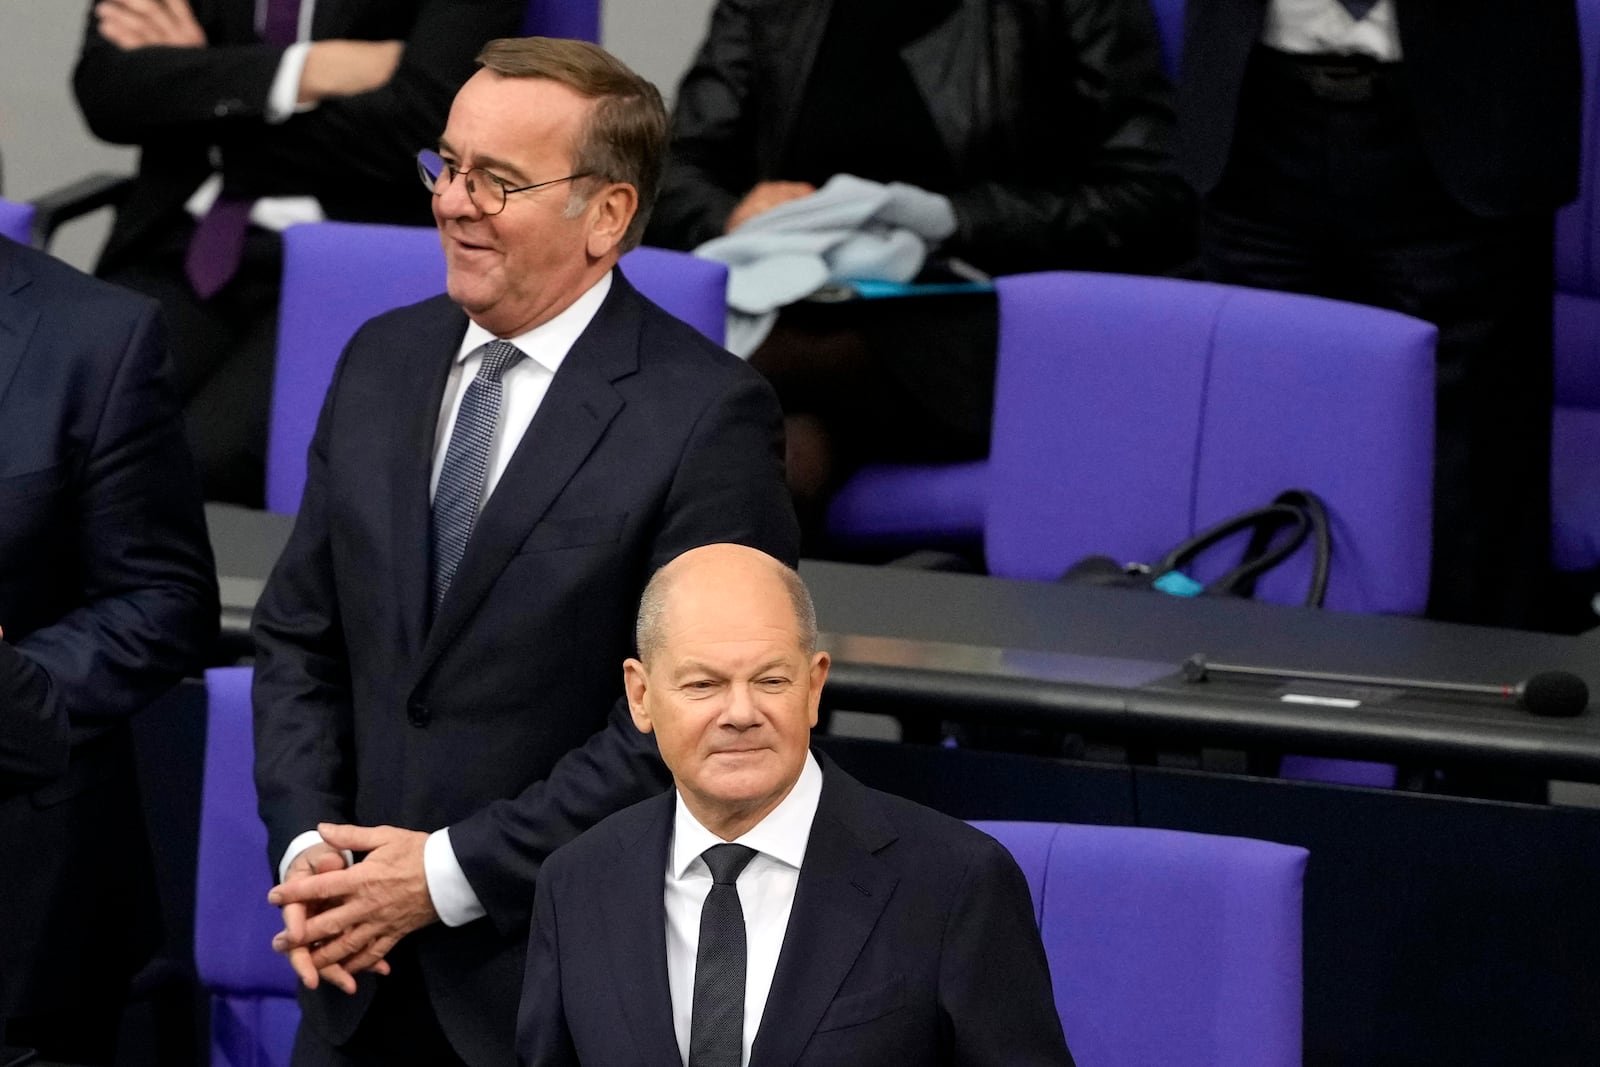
(339, 921)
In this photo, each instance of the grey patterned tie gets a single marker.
(1358, 8)
(466, 464)
(716, 1026)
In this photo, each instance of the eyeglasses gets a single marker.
(486, 191)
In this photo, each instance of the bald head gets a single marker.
(722, 573)
(728, 680)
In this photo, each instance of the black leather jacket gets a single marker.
(1055, 113)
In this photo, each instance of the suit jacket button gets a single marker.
(418, 713)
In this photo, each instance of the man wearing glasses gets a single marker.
(251, 116)
(495, 476)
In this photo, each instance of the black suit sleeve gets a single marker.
(33, 725)
(729, 487)
(218, 93)
(712, 163)
(147, 582)
(543, 1038)
(303, 721)
(994, 980)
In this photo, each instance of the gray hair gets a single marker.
(649, 630)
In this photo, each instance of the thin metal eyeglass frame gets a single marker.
(431, 182)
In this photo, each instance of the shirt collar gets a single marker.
(782, 835)
(548, 343)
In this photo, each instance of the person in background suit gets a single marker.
(1408, 154)
(283, 110)
(494, 477)
(108, 595)
(1045, 127)
(770, 910)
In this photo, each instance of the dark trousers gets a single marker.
(1328, 191)
(400, 1027)
(223, 353)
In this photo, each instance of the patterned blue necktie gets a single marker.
(466, 464)
(716, 1021)
(1358, 8)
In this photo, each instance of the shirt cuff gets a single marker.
(283, 99)
(453, 897)
(299, 845)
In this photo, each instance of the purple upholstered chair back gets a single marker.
(579, 19)
(1165, 947)
(1132, 412)
(337, 275)
(252, 989)
(1169, 28)
(1575, 431)
(16, 221)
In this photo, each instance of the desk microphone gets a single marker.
(1553, 693)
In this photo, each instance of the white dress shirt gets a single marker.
(524, 387)
(274, 212)
(1324, 27)
(766, 895)
(524, 383)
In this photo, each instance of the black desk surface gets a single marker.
(920, 643)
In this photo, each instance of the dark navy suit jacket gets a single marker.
(107, 596)
(912, 941)
(500, 717)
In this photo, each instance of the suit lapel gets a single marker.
(17, 319)
(571, 420)
(632, 900)
(417, 421)
(841, 894)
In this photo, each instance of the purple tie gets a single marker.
(1358, 8)
(217, 244)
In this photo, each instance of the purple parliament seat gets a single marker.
(1167, 947)
(252, 990)
(1575, 427)
(337, 275)
(16, 221)
(1134, 412)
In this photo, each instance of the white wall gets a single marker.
(43, 142)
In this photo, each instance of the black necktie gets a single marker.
(1358, 8)
(716, 1027)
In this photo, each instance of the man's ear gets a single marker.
(610, 212)
(819, 677)
(634, 683)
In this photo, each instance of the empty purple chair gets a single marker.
(337, 275)
(1133, 412)
(1575, 429)
(16, 221)
(253, 1010)
(1166, 947)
